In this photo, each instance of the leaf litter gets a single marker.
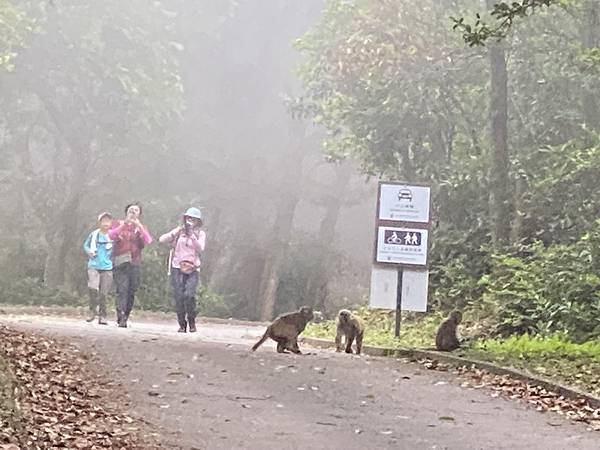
(61, 402)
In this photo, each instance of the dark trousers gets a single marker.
(127, 280)
(183, 287)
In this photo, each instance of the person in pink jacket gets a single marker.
(187, 242)
(129, 236)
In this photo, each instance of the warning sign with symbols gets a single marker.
(402, 246)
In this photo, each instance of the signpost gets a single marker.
(399, 276)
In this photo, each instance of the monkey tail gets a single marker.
(261, 340)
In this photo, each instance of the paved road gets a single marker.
(207, 391)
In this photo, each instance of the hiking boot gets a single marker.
(122, 324)
(182, 330)
(90, 318)
(102, 321)
(192, 323)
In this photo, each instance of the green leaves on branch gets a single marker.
(14, 27)
(504, 15)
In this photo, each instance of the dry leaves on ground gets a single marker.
(62, 402)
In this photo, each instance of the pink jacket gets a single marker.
(185, 248)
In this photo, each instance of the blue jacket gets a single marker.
(104, 248)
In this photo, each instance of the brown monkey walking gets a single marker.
(285, 330)
(351, 327)
(446, 339)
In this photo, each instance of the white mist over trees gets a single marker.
(173, 104)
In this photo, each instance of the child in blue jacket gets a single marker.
(98, 248)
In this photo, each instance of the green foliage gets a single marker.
(387, 89)
(303, 265)
(528, 347)
(32, 292)
(211, 304)
(14, 27)
(551, 357)
(547, 289)
(559, 207)
(155, 291)
(504, 14)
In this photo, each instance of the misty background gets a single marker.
(277, 118)
(176, 104)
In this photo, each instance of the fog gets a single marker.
(176, 104)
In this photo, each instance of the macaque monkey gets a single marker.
(351, 327)
(446, 339)
(285, 330)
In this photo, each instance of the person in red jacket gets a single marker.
(129, 237)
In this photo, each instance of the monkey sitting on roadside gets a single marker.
(446, 339)
(285, 330)
(351, 327)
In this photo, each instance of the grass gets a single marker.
(553, 357)
(379, 330)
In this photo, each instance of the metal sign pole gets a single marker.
(398, 303)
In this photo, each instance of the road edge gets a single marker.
(459, 361)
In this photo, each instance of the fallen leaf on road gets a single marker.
(446, 418)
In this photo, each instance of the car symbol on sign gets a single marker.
(405, 194)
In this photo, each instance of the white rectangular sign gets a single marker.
(384, 287)
(404, 203)
(414, 290)
(402, 246)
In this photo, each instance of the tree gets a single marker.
(92, 88)
(499, 157)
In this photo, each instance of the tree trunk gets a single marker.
(590, 38)
(318, 285)
(499, 158)
(279, 238)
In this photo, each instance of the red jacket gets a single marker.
(128, 239)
